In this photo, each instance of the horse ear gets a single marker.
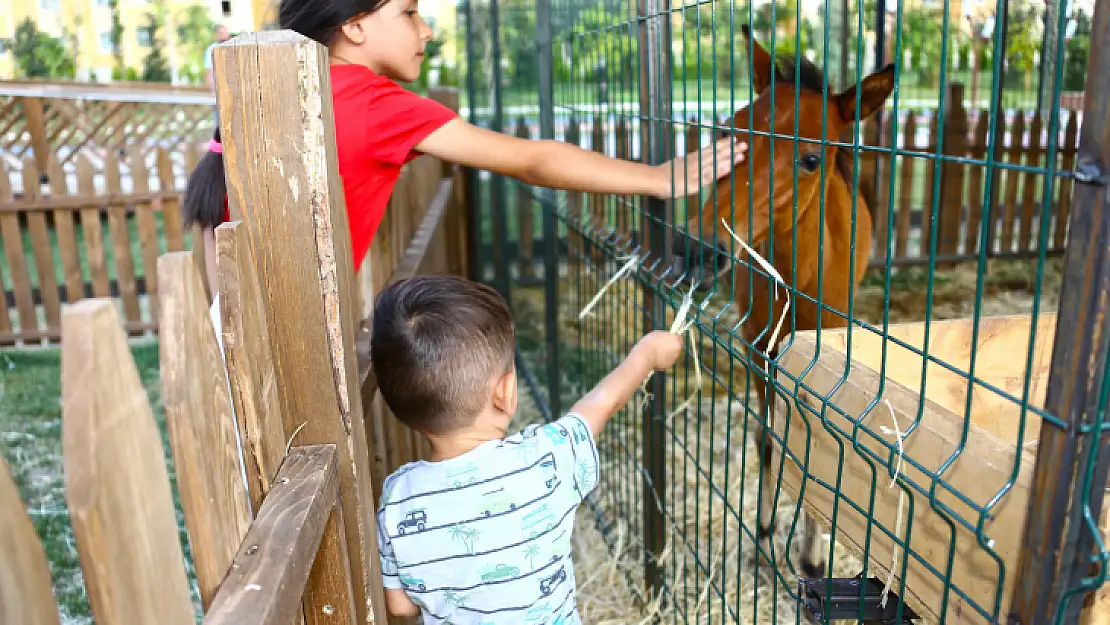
(763, 66)
(873, 91)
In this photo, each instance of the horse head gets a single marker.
(748, 198)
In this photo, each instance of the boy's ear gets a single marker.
(504, 393)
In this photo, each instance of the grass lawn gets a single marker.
(31, 443)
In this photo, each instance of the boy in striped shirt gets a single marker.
(479, 532)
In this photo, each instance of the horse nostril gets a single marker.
(678, 245)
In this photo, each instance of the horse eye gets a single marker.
(810, 162)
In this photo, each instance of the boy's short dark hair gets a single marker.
(436, 344)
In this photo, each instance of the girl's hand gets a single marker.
(696, 170)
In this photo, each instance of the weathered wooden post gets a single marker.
(273, 91)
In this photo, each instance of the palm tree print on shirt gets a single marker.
(467, 536)
(531, 552)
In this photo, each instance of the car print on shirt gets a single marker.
(548, 466)
(501, 571)
(557, 433)
(537, 522)
(538, 614)
(496, 502)
(548, 584)
(465, 475)
(415, 519)
(416, 582)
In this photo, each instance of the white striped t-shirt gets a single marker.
(484, 538)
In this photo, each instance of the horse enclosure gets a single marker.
(925, 439)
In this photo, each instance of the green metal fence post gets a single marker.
(497, 183)
(474, 218)
(655, 108)
(1057, 550)
(547, 202)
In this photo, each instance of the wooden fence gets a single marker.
(42, 120)
(68, 242)
(1015, 200)
(289, 534)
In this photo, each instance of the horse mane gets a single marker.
(798, 70)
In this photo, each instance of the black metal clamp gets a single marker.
(839, 599)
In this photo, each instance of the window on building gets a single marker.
(50, 5)
(144, 37)
(225, 6)
(105, 42)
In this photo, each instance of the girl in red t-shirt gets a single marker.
(381, 126)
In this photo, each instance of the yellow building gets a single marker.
(87, 26)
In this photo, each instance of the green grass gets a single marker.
(31, 444)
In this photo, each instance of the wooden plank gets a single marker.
(280, 157)
(905, 189)
(5, 314)
(1010, 206)
(36, 127)
(249, 358)
(1071, 145)
(78, 202)
(975, 185)
(171, 207)
(268, 576)
(148, 233)
(26, 593)
(92, 232)
(42, 250)
(950, 211)
(1030, 199)
(979, 471)
(67, 238)
(325, 600)
(116, 482)
(931, 173)
(17, 264)
(200, 423)
(121, 244)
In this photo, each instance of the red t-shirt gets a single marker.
(377, 125)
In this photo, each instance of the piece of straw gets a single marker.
(901, 499)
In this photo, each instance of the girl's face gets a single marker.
(391, 40)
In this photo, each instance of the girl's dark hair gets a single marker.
(206, 191)
(320, 20)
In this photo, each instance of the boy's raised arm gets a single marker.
(657, 351)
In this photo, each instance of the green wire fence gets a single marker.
(933, 448)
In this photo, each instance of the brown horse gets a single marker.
(701, 261)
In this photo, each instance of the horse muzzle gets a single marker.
(698, 263)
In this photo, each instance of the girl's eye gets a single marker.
(810, 162)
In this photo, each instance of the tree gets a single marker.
(39, 55)
(117, 39)
(195, 32)
(155, 67)
(1076, 51)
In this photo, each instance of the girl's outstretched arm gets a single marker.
(560, 165)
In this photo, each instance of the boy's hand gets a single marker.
(694, 171)
(661, 349)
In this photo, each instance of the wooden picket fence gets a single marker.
(72, 243)
(273, 439)
(1015, 201)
